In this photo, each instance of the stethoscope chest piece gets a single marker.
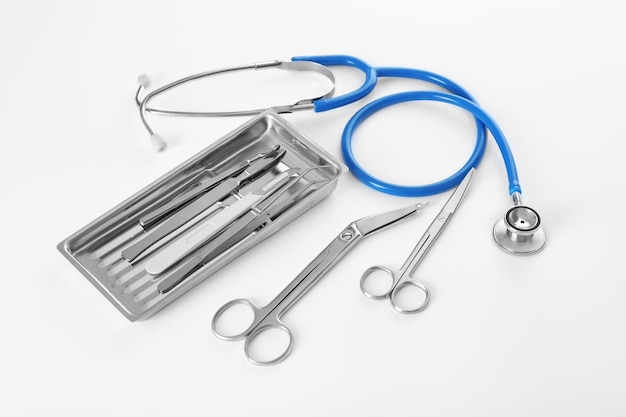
(520, 232)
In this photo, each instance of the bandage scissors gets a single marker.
(401, 279)
(268, 317)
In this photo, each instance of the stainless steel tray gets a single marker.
(96, 249)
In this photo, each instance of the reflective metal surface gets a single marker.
(96, 249)
(268, 318)
(519, 232)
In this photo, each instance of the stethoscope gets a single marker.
(518, 232)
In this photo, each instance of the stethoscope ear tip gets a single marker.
(519, 232)
(157, 142)
(143, 80)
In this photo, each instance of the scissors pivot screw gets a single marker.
(347, 235)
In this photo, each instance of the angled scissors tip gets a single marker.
(371, 224)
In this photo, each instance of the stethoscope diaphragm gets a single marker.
(519, 232)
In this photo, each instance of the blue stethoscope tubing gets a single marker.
(457, 96)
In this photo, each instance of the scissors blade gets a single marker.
(458, 194)
(377, 222)
(438, 224)
(448, 209)
(333, 253)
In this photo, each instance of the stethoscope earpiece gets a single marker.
(520, 232)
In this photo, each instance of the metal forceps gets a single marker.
(401, 279)
(268, 317)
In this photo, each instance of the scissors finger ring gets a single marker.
(400, 293)
(262, 348)
(371, 285)
(243, 327)
(406, 300)
(267, 318)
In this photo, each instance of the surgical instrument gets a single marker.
(268, 317)
(212, 226)
(249, 223)
(159, 213)
(513, 236)
(255, 170)
(96, 248)
(401, 279)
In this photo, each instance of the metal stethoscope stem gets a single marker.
(159, 143)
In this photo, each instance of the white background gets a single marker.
(542, 335)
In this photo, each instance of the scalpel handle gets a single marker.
(179, 275)
(190, 241)
(179, 218)
(237, 231)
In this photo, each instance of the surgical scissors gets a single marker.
(401, 279)
(268, 318)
